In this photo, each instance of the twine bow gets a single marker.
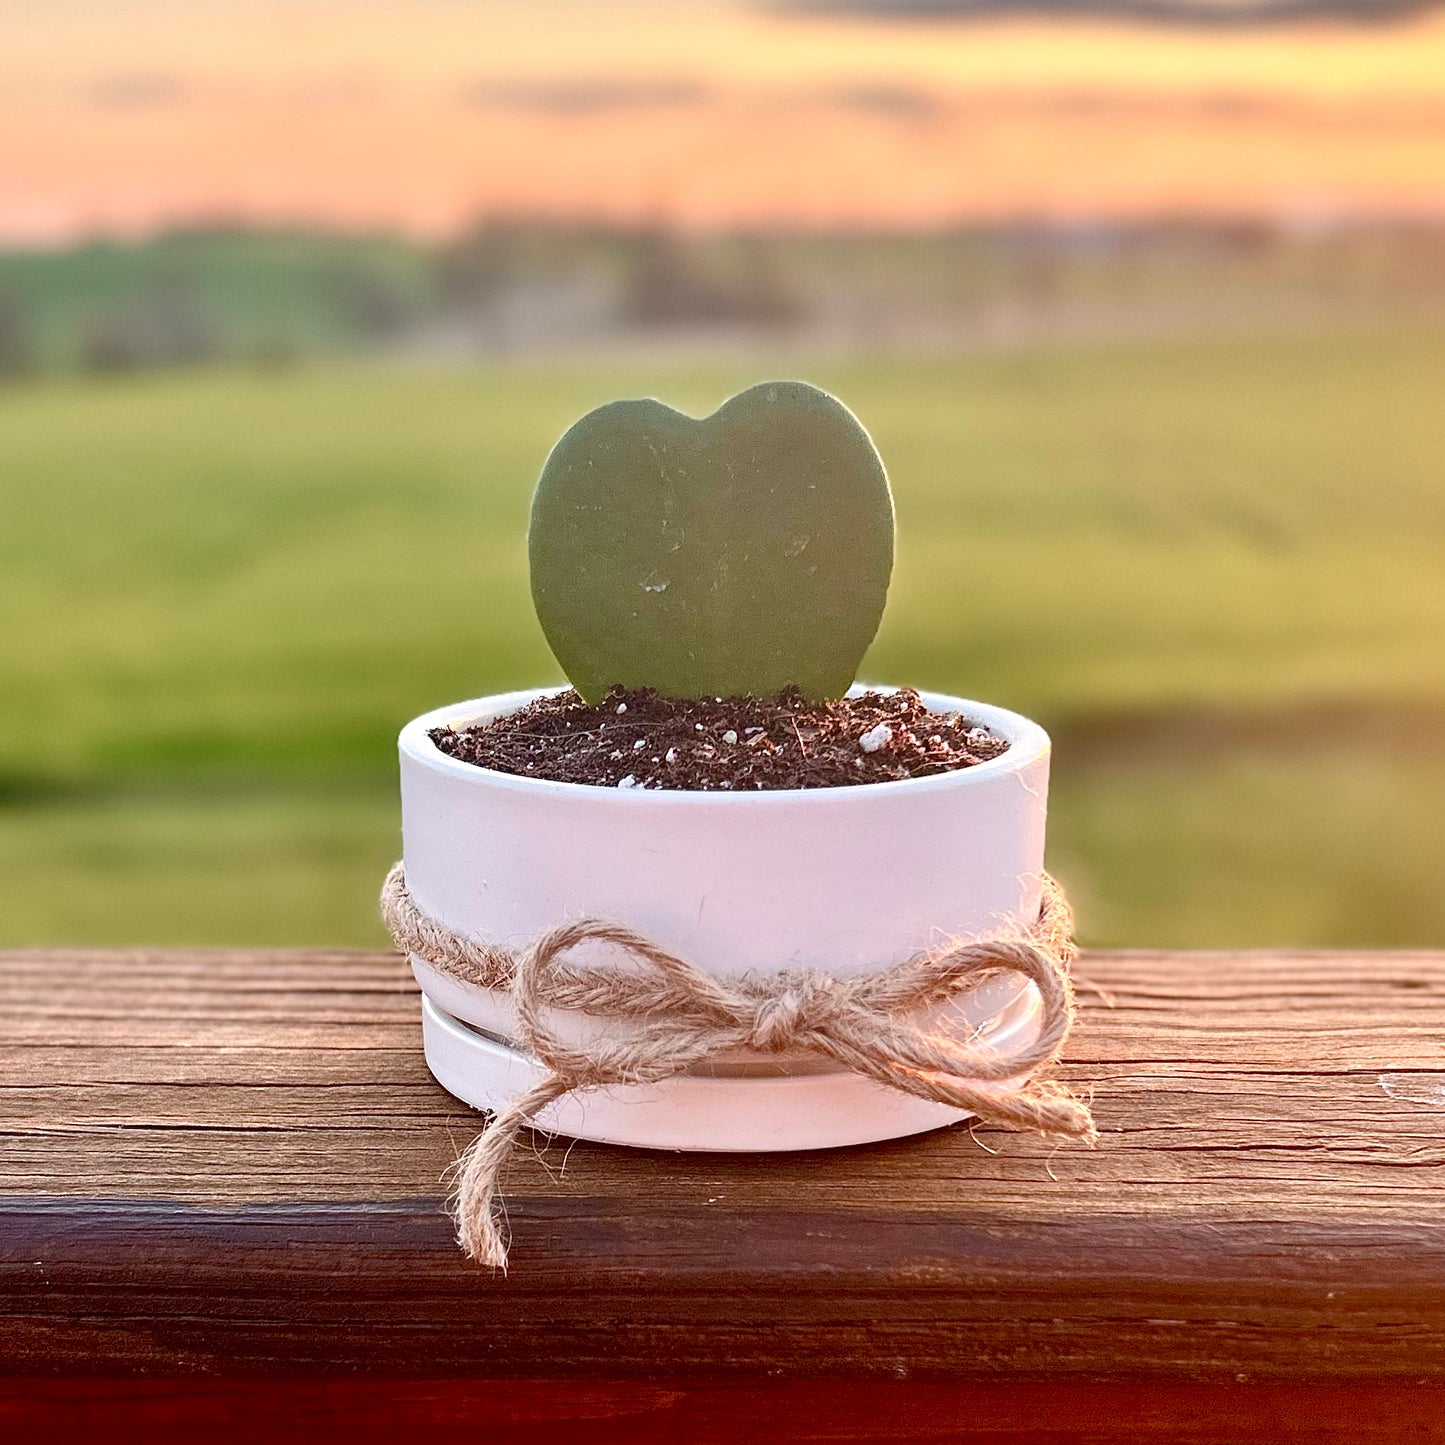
(673, 1017)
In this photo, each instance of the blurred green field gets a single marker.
(239, 293)
(1216, 571)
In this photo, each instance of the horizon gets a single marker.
(1305, 228)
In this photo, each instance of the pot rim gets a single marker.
(1027, 742)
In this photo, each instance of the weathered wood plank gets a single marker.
(228, 1161)
(709, 1412)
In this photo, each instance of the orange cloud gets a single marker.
(421, 114)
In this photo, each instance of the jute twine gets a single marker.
(672, 1016)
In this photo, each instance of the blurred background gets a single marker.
(1143, 300)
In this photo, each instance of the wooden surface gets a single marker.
(230, 1164)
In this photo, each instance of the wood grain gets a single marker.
(631, 1412)
(232, 1162)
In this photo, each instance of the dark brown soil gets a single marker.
(641, 740)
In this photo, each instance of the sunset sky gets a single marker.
(122, 116)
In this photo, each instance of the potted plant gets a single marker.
(716, 896)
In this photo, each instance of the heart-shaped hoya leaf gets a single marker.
(737, 554)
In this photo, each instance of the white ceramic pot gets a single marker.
(845, 879)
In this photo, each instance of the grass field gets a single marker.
(254, 293)
(1216, 571)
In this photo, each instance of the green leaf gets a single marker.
(735, 554)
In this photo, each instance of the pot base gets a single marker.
(731, 1114)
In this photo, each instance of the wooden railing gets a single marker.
(221, 1202)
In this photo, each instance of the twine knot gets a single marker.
(784, 1013)
(670, 1017)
